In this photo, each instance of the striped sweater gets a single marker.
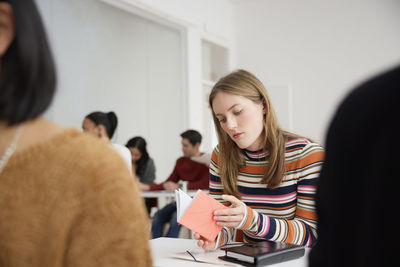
(286, 213)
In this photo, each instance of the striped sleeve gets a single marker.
(216, 191)
(301, 229)
(286, 213)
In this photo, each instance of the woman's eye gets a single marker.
(222, 120)
(237, 112)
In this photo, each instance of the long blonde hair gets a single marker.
(231, 158)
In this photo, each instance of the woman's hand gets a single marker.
(170, 186)
(144, 187)
(233, 215)
(204, 243)
(230, 217)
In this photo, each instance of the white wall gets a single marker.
(109, 59)
(313, 50)
(319, 48)
(213, 18)
(198, 20)
(309, 53)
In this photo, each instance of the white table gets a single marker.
(164, 248)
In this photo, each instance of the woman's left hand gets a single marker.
(204, 243)
(144, 187)
(233, 215)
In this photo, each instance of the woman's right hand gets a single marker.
(204, 243)
(144, 187)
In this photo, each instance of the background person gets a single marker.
(192, 168)
(103, 125)
(142, 165)
(61, 204)
(266, 174)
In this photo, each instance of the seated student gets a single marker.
(142, 165)
(60, 203)
(357, 189)
(103, 126)
(193, 168)
(268, 175)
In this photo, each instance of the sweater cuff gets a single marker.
(247, 219)
(222, 238)
(218, 243)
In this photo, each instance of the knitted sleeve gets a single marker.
(112, 226)
(216, 190)
(301, 229)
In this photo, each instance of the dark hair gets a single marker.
(193, 136)
(109, 120)
(139, 143)
(28, 75)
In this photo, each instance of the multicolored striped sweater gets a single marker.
(286, 213)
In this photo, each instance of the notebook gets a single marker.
(263, 253)
(197, 213)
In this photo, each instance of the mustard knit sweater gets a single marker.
(70, 201)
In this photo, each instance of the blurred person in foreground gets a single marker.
(357, 189)
(60, 203)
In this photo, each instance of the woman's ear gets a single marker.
(101, 131)
(264, 107)
(7, 27)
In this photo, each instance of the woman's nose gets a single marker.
(231, 123)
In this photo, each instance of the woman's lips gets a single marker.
(237, 135)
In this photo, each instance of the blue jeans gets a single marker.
(164, 215)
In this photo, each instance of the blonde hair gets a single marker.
(231, 158)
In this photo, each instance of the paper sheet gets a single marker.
(198, 216)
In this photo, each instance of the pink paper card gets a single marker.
(199, 216)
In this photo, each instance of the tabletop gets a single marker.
(173, 252)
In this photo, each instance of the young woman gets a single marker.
(143, 166)
(60, 203)
(266, 174)
(103, 126)
(142, 163)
